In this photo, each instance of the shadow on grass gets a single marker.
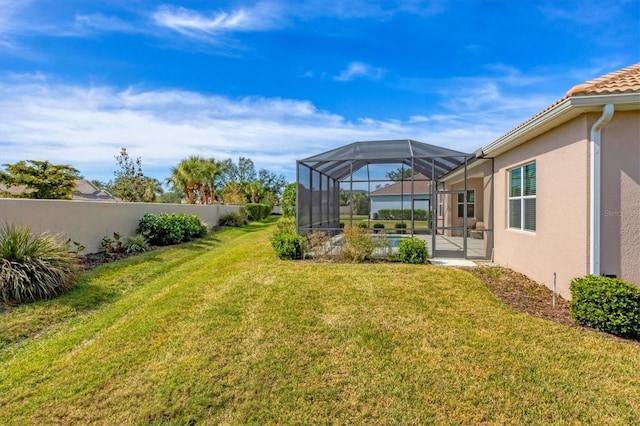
(100, 286)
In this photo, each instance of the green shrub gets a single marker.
(288, 245)
(413, 250)
(33, 266)
(257, 211)
(401, 228)
(170, 228)
(112, 246)
(362, 225)
(397, 214)
(377, 227)
(136, 244)
(235, 219)
(288, 201)
(607, 304)
(358, 245)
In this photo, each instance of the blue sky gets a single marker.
(278, 81)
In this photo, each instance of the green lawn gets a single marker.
(221, 332)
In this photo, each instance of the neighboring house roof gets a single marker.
(83, 191)
(86, 191)
(621, 88)
(420, 186)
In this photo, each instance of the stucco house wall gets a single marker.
(620, 197)
(560, 243)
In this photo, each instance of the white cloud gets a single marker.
(100, 22)
(86, 126)
(359, 70)
(261, 17)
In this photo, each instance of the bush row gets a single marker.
(398, 214)
(165, 229)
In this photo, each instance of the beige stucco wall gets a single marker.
(620, 197)
(87, 222)
(561, 241)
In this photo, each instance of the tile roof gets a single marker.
(626, 80)
(420, 186)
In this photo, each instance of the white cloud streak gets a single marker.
(86, 126)
(261, 17)
(359, 70)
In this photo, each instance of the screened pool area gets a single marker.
(408, 187)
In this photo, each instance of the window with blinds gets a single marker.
(522, 197)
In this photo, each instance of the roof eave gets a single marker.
(564, 111)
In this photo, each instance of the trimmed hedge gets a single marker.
(413, 250)
(257, 211)
(607, 304)
(398, 214)
(165, 229)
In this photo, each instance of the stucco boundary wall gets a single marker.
(87, 222)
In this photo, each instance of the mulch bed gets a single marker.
(527, 296)
(523, 294)
(93, 260)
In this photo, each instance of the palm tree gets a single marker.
(254, 190)
(196, 177)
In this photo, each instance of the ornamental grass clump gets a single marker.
(33, 266)
(358, 245)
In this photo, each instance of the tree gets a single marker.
(130, 184)
(288, 202)
(196, 177)
(42, 179)
(232, 194)
(272, 183)
(254, 191)
(401, 174)
(360, 203)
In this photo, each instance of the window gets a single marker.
(471, 204)
(440, 205)
(522, 197)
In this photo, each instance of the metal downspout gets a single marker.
(594, 187)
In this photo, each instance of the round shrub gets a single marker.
(377, 227)
(288, 245)
(413, 250)
(170, 228)
(607, 304)
(33, 266)
(234, 219)
(401, 228)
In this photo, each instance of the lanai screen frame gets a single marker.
(318, 177)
